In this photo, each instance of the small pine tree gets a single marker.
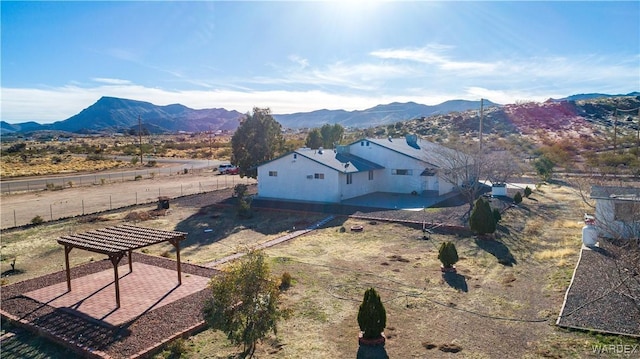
(372, 317)
(517, 199)
(447, 254)
(527, 191)
(481, 220)
(496, 215)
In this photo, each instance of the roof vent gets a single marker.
(412, 140)
(390, 139)
(320, 149)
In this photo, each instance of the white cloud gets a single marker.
(110, 81)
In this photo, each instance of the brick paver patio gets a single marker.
(148, 287)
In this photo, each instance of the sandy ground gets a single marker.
(20, 209)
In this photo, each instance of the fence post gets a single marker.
(136, 198)
(110, 206)
(15, 224)
(83, 207)
(9, 185)
(158, 191)
(181, 189)
(51, 211)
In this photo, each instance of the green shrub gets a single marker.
(175, 349)
(481, 220)
(517, 199)
(496, 215)
(372, 317)
(527, 191)
(37, 220)
(285, 281)
(447, 254)
(137, 178)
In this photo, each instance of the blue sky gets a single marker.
(60, 57)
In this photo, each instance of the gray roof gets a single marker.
(619, 193)
(342, 162)
(422, 150)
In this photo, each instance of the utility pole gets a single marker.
(140, 137)
(481, 119)
(615, 130)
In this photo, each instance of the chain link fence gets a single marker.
(82, 201)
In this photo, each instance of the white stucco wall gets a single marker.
(391, 161)
(360, 184)
(292, 181)
(610, 228)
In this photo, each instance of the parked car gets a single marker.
(227, 168)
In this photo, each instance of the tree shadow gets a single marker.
(456, 281)
(498, 250)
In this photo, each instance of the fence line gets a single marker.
(16, 215)
(85, 180)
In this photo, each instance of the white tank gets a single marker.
(589, 235)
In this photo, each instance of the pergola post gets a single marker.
(130, 262)
(176, 244)
(115, 259)
(67, 249)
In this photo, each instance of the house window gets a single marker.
(402, 172)
(273, 173)
(318, 176)
(295, 156)
(626, 211)
(370, 175)
(362, 143)
(349, 178)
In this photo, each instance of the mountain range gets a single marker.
(110, 114)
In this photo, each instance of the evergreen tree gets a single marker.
(331, 135)
(447, 254)
(314, 139)
(517, 198)
(372, 317)
(481, 220)
(258, 139)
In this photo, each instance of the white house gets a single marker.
(393, 165)
(617, 211)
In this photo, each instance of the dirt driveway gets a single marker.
(20, 209)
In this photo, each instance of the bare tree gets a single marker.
(501, 166)
(461, 166)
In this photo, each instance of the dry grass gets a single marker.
(331, 270)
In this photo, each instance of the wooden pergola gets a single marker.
(117, 241)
